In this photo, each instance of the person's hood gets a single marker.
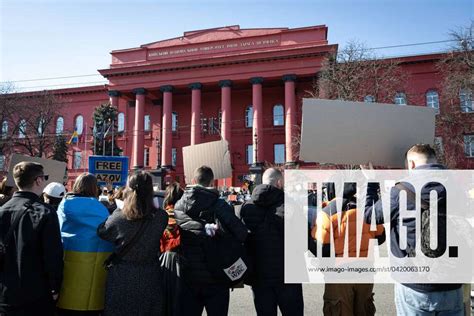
(196, 199)
(266, 195)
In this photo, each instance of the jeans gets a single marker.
(192, 299)
(446, 303)
(289, 297)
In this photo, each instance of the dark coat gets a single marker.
(264, 217)
(134, 284)
(410, 225)
(34, 261)
(197, 207)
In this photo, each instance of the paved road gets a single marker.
(241, 300)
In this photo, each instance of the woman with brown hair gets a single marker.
(134, 278)
(79, 213)
(169, 247)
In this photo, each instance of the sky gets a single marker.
(41, 39)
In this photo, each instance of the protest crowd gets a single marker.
(123, 251)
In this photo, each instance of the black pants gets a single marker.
(41, 307)
(288, 297)
(194, 298)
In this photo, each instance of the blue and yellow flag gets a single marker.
(83, 287)
(74, 138)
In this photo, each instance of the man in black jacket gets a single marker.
(419, 298)
(264, 217)
(31, 276)
(201, 205)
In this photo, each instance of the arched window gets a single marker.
(59, 125)
(465, 99)
(120, 122)
(22, 129)
(174, 122)
(249, 116)
(79, 124)
(369, 99)
(432, 99)
(4, 129)
(40, 127)
(400, 98)
(278, 118)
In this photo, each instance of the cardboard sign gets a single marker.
(112, 169)
(343, 132)
(215, 155)
(56, 170)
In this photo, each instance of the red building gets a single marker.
(244, 85)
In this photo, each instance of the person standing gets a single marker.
(419, 298)
(134, 278)
(53, 194)
(264, 217)
(31, 274)
(169, 252)
(80, 213)
(199, 207)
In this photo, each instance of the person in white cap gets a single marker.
(53, 193)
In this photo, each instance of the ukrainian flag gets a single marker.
(83, 286)
(74, 138)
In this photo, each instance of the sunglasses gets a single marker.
(44, 176)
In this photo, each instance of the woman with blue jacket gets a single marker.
(80, 213)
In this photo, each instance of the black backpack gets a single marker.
(6, 240)
(226, 257)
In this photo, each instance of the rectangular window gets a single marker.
(174, 157)
(279, 153)
(146, 157)
(249, 154)
(2, 162)
(146, 125)
(77, 160)
(469, 145)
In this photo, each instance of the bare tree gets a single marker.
(356, 72)
(35, 129)
(457, 69)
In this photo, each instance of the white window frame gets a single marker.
(120, 122)
(249, 154)
(4, 129)
(22, 128)
(469, 145)
(59, 125)
(249, 116)
(282, 154)
(174, 157)
(400, 98)
(465, 101)
(146, 123)
(79, 124)
(278, 119)
(369, 99)
(432, 100)
(146, 156)
(174, 122)
(77, 160)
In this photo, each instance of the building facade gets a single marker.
(242, 85)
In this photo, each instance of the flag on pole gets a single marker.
(74, 138)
